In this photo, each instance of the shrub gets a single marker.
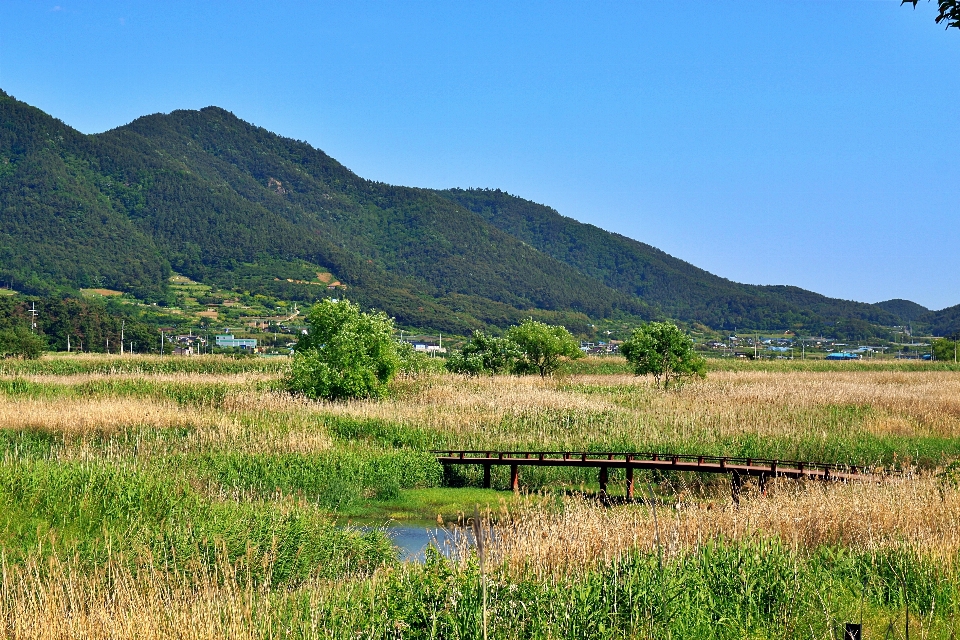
(346, 354)
(662, 349)
(413, 362)
(20, 342)
(485, 354)
(543, 347)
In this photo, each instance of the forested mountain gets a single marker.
(904, 309)
(57, 227)
(945, 322)
(224, 202)
(680, 289)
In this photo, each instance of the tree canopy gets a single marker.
(662, 349)
(20, 342)
(346, 353)
(543, 347)
(485, 354)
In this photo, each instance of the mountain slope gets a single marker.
(906, 310)
(306, 205)
(228, 203)
(945, 322)
(679, 288)
(57, 228)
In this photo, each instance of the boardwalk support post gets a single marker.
(736, 484)
(486, 476)
(514, 477)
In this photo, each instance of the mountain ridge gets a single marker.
(221, 200)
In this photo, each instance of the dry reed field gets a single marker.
(147, 497)
(920, 513)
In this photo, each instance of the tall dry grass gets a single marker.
(54, 601)
(510, 411)
(121, 428)
(919, 513)
(78, 416)
(519, 411)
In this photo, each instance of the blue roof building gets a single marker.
(842, 355)
(228, 340)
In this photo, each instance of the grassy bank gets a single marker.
(189, 497)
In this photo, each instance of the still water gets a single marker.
(413, 540)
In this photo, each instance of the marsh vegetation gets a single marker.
(191, 497)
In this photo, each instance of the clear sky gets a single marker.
(806, 143)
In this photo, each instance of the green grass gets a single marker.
(422, 506)
(91, 511)
(179, 497)
(75, 365)
(726, 591)
(337, 480)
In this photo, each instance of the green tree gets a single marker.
(543, 347)
(20, 342)
(484, 354)
(945, 350)
(663, 349)
(346, 353)
(413, 362)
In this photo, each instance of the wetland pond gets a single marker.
(413, 538)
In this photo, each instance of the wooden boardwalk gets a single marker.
(739, 469)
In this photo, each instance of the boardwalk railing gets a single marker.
(738, 468)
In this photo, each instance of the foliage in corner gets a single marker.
(664, 350)
(346, 353)
(483, 354)
(949, 11)
(543, 347)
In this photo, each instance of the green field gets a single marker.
(190, 497)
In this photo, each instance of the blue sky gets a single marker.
(805, 143)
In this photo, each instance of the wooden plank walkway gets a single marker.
(739, 468)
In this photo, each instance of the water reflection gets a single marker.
(414, 540)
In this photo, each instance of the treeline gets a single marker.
(90, 326)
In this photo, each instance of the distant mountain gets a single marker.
(945, 322)
(906, 310)
(224, 202)
(680, 289)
